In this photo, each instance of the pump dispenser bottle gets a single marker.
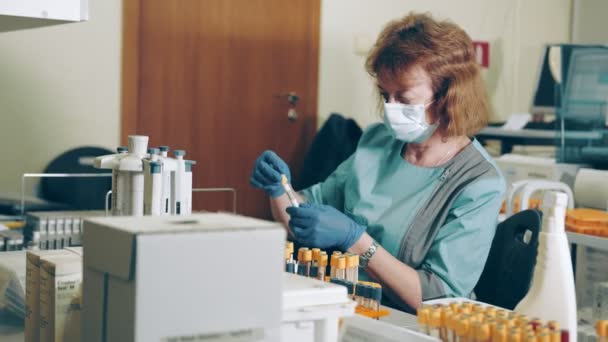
(552, 294)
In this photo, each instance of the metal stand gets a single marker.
(54, 175)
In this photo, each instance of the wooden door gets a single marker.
(208, 76)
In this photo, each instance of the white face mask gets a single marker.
(408, 122)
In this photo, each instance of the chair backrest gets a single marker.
(508, 272)
(77, 193)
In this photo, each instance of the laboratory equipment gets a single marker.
(147, 181)
(601, 330)
(552, 294)
(304, 261)
(56, 229)
(293, 199)
(322, 264)
(152, 184)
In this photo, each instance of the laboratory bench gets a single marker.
(11, 328)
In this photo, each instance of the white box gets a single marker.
(517, 167)
(205, 276)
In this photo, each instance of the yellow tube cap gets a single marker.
(352, 260)
(315, 253)
(601, 328)
(307, 255)
(423, 316)
(462, 328)
(435, 319)
(322, 261)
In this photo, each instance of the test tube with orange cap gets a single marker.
(435, 323)
(341, 267)
(601, 329)
(315, 255)
(500, 333)
(530, 337)
(333, 263)
(556, 336)
(514, 335)
(322, 263)
(446, 315)
(304, 260)
(424, 317)
(462, 329)
(483, 333)
(553, 326)
(544, 337)
(451, 322)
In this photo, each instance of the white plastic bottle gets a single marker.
(152, 184)
(133, 163)
(167, 167)
(178, 206)
(187, 186)
(552, 296)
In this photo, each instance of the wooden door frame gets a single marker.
(130, 68)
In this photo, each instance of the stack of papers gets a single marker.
(12, 282)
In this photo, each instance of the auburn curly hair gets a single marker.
(446, 53)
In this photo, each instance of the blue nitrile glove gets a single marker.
(323, 226)
(267, 174)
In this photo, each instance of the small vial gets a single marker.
(601, 329)
(455, 306)
(424, 317)
(474, 329)
(536, 323)
(490, 311)
(435, 323)
(565, 336)
(304, 261)
(333, 265)
(544, 338)
(465, 308)
(500, 333)
(522, 320)
(359, 294)
(341, 267)
(352, 266)
(322, 263)
(483, 333)
(556, 336)
(478, 308)
(462, 330)
(514, 335)
(452, 326)
(446, 316)
(315, 255)
(530, 338)
(553, 326)
(290, 268)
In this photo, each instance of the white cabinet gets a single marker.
(64, 10)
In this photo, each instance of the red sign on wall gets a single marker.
(482, 51)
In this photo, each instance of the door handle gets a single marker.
(292, 98)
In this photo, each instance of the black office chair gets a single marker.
(508, 272)
(77, 193)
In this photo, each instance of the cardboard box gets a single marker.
(32, 292)
(60, 297)
(205, 276)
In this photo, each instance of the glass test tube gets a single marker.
(500, 333)
(556, 336)
(435, 323)
(423, 314)
(315, 255)
(483, 333)
(304, 259)
(462, 330)
(333, 263)
(452, 326)
(544, 338)
(377, 298)
(350, 267)
(530, 338)
(514, 335)
(474, 328)
(601, 329)
(322, 263)
(446, 315)
(341, 267)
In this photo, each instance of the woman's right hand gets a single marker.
(267, 174)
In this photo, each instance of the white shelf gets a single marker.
(65, 10)
(588, 240)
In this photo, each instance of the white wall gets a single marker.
(516, 29)
(589, 22)
(60, 88)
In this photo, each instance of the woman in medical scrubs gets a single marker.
(419, 198)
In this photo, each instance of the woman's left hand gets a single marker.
(323, 226)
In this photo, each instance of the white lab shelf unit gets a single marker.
(65, 10)
(588, 240)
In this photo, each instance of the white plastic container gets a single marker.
(552, 295)
(312, 309)
(168, 166)
(153, 187)
(178, 193)
(187, 187)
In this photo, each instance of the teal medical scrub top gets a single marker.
(378, 188)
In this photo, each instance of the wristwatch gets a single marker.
(367, 256)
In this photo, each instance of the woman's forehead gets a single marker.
(412, 77)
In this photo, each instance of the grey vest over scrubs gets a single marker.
(467, 167)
